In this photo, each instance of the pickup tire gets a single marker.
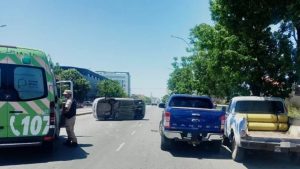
(238, 153)
(165, 143)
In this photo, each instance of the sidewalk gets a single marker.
(83, 111)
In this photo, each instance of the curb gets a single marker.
(81, 114)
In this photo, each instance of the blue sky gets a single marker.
(109, 35)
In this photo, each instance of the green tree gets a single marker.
(81, 85)
(254, 19)
(181, 80)
(227, 64)
(57, 71)
(110, 88)
(165, 98)
(218, 60)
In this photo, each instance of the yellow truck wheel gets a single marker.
(238, 153)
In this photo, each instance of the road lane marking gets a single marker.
(120, 147)
(132, 133)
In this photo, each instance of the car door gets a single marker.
(28, 106)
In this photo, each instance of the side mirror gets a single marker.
(162, 105)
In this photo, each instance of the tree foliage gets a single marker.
(81, 85)
(240, 54)
(165, 98)
(181, 79)
(254, 19)
(110, 88)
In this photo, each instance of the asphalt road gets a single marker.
(132, 145)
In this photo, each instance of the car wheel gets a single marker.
(165, 143)
(226, 142)
(238, 153)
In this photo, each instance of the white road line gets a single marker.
(120, 147)
(132, 133)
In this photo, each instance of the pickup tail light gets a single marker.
(222, 119)
(167, 118)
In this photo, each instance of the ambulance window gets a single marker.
(29, 83)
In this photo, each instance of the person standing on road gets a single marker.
(70, 117)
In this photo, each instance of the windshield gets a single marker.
(191, 102)
(23, 83)
(259, 107)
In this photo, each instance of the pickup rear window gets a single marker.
(191, 102)
(269, 107)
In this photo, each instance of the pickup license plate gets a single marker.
(277, 150)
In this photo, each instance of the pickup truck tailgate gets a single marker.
(195, 119)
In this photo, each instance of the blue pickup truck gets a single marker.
(191, 119)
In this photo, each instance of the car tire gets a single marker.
(238, 153)
(165, 143)
(139, 116)
(226, 142)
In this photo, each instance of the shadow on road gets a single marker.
(31, 155)
(267, 160)
(253, 159)
(203, 151)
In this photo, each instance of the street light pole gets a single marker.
(180, 38)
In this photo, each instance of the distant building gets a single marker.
(122, 77)
(91, 76)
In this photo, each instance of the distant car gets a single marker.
(118, 109)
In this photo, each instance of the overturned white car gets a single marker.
(118, 109)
